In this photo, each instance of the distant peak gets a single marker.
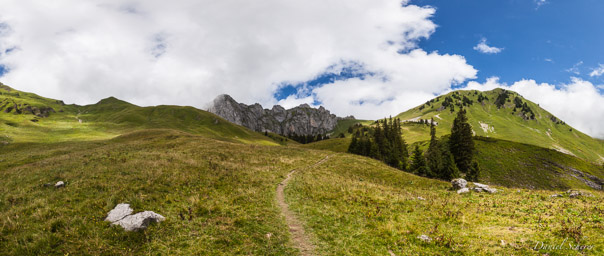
(112, 100)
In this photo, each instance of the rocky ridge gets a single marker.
(300, 120)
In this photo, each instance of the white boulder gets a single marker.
(459, 183)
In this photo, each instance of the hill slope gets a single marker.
(106, 119)
(219, 199)
(504, 115)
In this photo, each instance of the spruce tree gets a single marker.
(418, 164)
(449, 170)
(433, 154)
(461, 144)
(474, 172)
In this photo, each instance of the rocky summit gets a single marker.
(301, 120)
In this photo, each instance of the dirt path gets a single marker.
(299, 237)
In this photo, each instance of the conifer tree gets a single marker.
(433, 154)
(418, 164)
(474, 172)
(461, 144)
(449, 170)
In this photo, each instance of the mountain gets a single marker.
(502, 114)
(226, 190)
(27, 117)
(301, 120)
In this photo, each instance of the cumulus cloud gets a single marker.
(597, 71)
(578, 103)
(187, 52)
(484, 48)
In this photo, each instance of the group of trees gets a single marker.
(384, 142)
(448, 159)
(304, 139)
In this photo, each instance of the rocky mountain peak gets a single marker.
(301, 120)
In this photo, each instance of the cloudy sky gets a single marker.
(368, 58)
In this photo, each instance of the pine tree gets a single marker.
(418, 164)
(474, 172)
(433, 154)
(449, 170)
(354, 144)
(461, 143)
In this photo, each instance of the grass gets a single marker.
(504, 124)
(358, 206)
(224, 191)
(520, 165)
(110, 118)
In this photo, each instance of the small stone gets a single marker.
(502, 242)
(459, 183)
(119, 212)
(60, 184)
(483, 188)
(420, 198)
(575, 193)
(556, 195)
(425, 238)
(477, 189)
(139, 221)
(463, 190)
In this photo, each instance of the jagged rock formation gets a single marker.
(301, 120)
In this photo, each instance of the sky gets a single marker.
(367, 58)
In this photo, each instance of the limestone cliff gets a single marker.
(301, 120)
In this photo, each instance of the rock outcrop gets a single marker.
(301, 120)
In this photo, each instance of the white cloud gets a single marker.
(187, 52)
(540, 3)
(597, 71)
(575, 68)
(484, 48)
(578, 103)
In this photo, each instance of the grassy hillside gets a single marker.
(506, 122)
(106, 119)
(358, 206)
(219, 198)
(224, 191)
(511, 164)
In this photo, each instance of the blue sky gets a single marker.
(540, 42)
(547, 41)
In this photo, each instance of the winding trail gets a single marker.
(299, 237)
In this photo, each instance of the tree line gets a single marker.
(446, 158)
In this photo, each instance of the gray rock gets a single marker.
(575, 193)
(421, 198)
(425, 238)
(139, 221)
(483, 188)
(122, 215)
(119, 212)
(301, 120)
(60, 184)
(459, 183)
(463, 190)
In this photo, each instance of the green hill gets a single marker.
(504, 115)
(106, 119)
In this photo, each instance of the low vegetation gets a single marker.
(359, 206)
